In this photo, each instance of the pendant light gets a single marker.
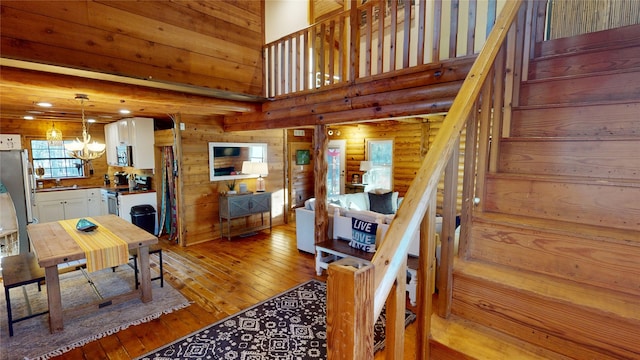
(85, 150)
(54, 136)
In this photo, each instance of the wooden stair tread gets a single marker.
(591, 41)
(608, 46)
(563, 228)
(479, 342)
(604, 300)
(567, 179)
(573, 105)
(581, 76)
(570, 138)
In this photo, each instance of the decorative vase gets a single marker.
(40, 171)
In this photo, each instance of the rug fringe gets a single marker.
(61, 350)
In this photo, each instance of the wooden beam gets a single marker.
(408, 94)
(320, 146)
(350, 321)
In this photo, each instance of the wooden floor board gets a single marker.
(220, 278)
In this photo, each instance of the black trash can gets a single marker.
(144, 216)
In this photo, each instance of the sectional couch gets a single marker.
(379, 207)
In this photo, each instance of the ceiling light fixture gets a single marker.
(54, 136)
(84, 150)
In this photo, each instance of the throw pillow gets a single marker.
(310, 204)
(335, 202)
(381, 203)
(363, 235)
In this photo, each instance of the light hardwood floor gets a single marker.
(221, 277)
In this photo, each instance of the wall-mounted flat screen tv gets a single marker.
(226, 151)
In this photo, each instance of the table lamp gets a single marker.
(365, 166)
(255, 168)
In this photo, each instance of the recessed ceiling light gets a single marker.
(44, 104)
(125, 112)
(91, 120)
(28, 117)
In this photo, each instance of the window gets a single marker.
(55, 161)
(380, 154)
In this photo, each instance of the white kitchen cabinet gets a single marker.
(61, 205)
(123, 132)
(141, 139)
(136, 132)
(94, 203)
(10, 142)
(111, 140)
(104, 202)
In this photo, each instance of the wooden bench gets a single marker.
(19, 270)
(332, 250)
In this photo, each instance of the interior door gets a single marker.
(301, 184)
(336, 163)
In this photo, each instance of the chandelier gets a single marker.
(54, 136)
(84, 150)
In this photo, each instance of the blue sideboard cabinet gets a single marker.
(244, 205)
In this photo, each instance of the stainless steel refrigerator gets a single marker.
(17, 176)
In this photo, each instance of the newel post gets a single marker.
(350, 321)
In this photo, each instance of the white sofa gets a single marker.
(348, 205)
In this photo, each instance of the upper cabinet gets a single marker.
(135, 132)
(112, 140)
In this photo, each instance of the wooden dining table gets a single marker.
(55, 244)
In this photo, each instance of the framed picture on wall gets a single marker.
(303, 157)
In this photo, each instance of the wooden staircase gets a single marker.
(552, 263)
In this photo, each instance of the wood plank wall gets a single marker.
(213, 44)
(201, 196)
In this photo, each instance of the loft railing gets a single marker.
(357, 291)
(378, 37)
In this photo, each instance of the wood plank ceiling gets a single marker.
(153, 58)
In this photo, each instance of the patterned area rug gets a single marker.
(32, 340)
(291, 325)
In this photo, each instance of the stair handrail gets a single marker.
(390, 258)
(393, 250)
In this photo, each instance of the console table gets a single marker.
(233, 206)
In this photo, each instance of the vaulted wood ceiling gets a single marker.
(154, 58)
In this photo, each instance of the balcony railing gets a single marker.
(378, 37)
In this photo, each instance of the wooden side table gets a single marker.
(233, 206)
(353, 188)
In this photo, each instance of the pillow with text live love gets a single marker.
(363, 235)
